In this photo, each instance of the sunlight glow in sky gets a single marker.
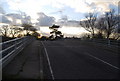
(67, 31)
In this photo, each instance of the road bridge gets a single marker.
(53, 60)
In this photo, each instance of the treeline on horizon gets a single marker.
(106, 26)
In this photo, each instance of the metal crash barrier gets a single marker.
(11, 48)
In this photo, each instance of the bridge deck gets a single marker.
(64, 60)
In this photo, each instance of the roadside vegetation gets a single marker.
(105, 27)
(10, 32)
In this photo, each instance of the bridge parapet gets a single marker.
(11, 48)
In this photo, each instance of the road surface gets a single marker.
(80, 60)
(70, 59)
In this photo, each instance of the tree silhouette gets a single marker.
(89, 23)
(28, 27)
(14, 30)
(55, 34)
(108, 24)
(4, 30)
(111, 22)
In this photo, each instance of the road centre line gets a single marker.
(48, 61)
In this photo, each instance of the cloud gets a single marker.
(79, 5)
(31, 7)
(69, 23)
(45, 20)
(91, 5)
(84, 6)
(18, 19)
(64, 18)
(17, 16)
(4, 19)
(13, 18)
(64, 21)
(2, 10)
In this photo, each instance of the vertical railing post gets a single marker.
(24, 41)
(15, 45)
(2, 45)
(108, 42)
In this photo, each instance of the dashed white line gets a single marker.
(48, 61)
(103, 61)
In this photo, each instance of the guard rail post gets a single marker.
(108, 42)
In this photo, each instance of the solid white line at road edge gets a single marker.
(48, 61)
(103, 61)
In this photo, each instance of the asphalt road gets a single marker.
(80, 60)
(70, 59)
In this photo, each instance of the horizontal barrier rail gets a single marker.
(11, 48)
(115, 43)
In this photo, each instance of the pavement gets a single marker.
(63, 60)
(26, 65)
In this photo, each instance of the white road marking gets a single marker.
(103, 61)
(63, 46)
(41, 63)
(48, 61)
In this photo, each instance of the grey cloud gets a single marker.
(21, 16)
(96, 6)
(4, 19)
(72, 23)
(27, 19)
(2, 10)
(64, 18)
(65, 22)
(14, 16)
(45, 20)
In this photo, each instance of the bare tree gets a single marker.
(110, 21)
(15, 30)
(100, 25)
(89, 23)
(108, 24)
(116, 33)
(27, 27)
(4, 30)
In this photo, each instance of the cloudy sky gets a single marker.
(73, 9)
(47, 12)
